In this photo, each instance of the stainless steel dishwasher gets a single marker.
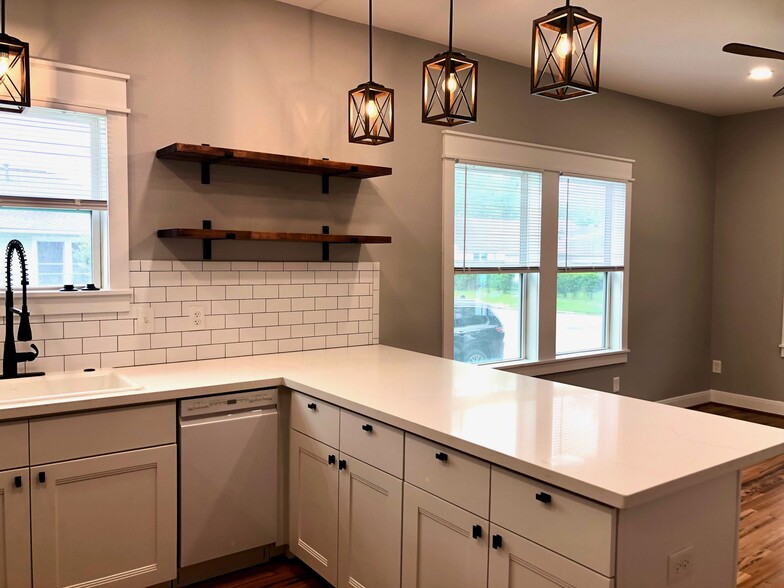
(228, 448)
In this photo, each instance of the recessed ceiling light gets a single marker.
(761, 73)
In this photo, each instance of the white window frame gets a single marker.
(539, 327)
(83, 89)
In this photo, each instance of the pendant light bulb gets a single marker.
(5, 62)
(371, 109)
(564, 46)
(450, 84)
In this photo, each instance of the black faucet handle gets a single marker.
(28, 355)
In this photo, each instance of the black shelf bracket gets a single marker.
(325, 177)
(206, 165)
(325, 246)
(206, 244)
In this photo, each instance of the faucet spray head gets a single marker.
(24, 333)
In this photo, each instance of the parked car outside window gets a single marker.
(479, 334)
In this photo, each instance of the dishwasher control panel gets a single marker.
(223, 403)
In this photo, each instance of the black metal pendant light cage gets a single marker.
(566, 53)
(370, 105)
(449, 86)
(14, 70)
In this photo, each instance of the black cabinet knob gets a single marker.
(342, 464)
(544, 497)
(17, 481)
(331, 460)
(497, 542)
(42, 477)
(368, 428)
(312, 405)
(441, 456)
(476, 532)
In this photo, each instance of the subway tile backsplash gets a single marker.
(249, 308)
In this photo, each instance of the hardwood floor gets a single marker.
(761, 544)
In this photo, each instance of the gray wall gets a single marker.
(749, 255)
(257, 74)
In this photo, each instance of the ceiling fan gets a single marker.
(752, 51)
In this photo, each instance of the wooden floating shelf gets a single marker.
(208, 156)
(208, 235)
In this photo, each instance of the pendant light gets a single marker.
(565, 55)
(370, 105)
(14, 70)
(449, 86)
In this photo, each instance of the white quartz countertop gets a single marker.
(616, 450)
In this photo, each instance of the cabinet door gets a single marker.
(313, 504)
(106, 520)
(370, 523)
(516, 562)
(443, 545)
(15, 529)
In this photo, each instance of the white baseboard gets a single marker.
(688, 400)
(728, 398)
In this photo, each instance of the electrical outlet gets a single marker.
(617, 384)
(145, 320)
(716, 366)
(680, 564)
(196, 314)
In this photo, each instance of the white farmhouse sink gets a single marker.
(64, 384)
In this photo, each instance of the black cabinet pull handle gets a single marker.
(18, 482)
(331, 460)
(441, 456)
(42, 477)
(544, 497)
(312, 405)
(368, 428)
(476, 533)
(342, 464)
(497, 542)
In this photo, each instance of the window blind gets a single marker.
(498, 218)
(591, 224)
(53, 159)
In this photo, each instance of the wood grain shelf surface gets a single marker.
(206, 154)
(215, 234)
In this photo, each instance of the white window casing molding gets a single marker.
(83, 89)
(552, 162)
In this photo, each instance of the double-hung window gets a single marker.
(54, 193)
(535, 255)
(64, 188)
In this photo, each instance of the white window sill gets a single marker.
(80, 302)
(564, 363)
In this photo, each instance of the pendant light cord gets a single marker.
(370, 37)
(451, 15)
(3, 18)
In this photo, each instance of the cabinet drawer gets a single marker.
(515, 561)
(373, 442)
(13, 441)
(99, 432)
(315, 418)
(575, 527)
(454, 476)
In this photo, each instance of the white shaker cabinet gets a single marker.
(369, 526)
(15, 528)
(110, 519)
(443, 544)
(313, 504)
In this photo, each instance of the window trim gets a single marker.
(552, 162)
(83, 89)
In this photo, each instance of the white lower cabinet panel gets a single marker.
(516, 562)
(443, 545)
(313, 504)
(15, 528)
(371, 504)
(106, 520)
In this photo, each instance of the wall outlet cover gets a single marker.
(145, 320)
(617, 384)
(680, 564)
(716, 366)
(196, 314)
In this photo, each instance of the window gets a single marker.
(535, 242)
(54, 192)
(64, 188)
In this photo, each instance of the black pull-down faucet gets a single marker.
(10, 356)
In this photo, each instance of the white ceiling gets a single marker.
(664, 50)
